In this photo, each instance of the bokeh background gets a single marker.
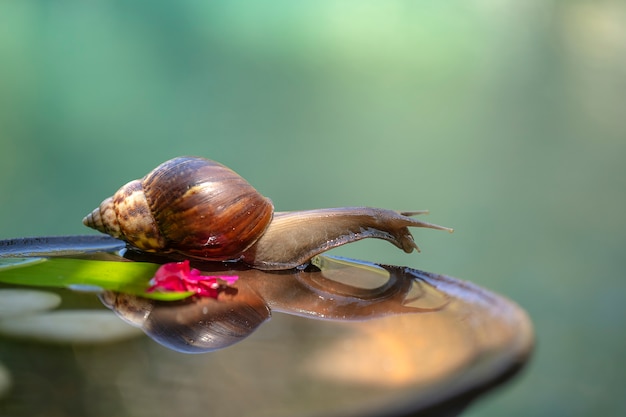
(507, 119)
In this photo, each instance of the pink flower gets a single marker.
(180, 277)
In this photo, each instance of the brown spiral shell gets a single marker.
(190, 205)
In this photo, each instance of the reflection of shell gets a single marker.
(210, 325)
(193, 325)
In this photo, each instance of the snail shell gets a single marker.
(194, 206)
(201, 209)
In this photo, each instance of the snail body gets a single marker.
(199, 208)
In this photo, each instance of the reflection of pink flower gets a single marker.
(179, 276)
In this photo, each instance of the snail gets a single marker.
(199, 208)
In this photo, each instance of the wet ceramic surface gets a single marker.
(340, 337)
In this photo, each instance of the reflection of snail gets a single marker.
(202, 324)
(199, 208)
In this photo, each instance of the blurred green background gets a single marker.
(507, 119)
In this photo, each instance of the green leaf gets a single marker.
(127, 277)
